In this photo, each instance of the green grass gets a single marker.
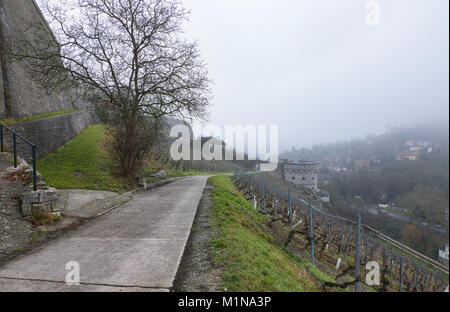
(12, 121)
(178, 173)
(82, 163)
(152, 166)
(321, 276)
(244, 251)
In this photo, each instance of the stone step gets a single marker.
(45, 198)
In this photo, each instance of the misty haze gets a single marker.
(218, 146)
(319, 71)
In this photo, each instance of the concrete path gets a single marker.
(72, 201)
(87, 204)
(136, 247)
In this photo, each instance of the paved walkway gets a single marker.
(136, 247)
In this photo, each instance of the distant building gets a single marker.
(414, 145)
(419, 144)
(436, 148)
(375, 163)
(443, 255)
(324, 196)
(339, 168)
(301, 172)
(407, 155)
(362, 164)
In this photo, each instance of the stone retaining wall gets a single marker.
(49, 133)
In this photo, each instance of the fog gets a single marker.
(316, 69)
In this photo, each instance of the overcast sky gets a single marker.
(315, 68)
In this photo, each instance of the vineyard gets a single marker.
(198, 165)
(359, 255)
(161, 154)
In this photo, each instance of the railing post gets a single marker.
(436, 282)
(358, 246)
(311, 231)
(1, 138)
(33, 151)
(416, 275)
(290, 209)
(392, 264)
(15, 150)
(366, 255)
(426, 279)
(348, 242)
(275, 202)
(259, 196)
(264, 199)
(401, 274)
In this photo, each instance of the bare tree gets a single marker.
(125, 55)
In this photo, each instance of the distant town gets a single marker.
(399, 180)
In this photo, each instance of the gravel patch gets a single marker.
(15, 232)
(196, 272)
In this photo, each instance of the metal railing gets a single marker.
(416, 254)
(16, 136)
(414, 268)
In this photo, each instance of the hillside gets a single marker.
(334, 240)
(405, 170)
(248, 251)
(85, 163)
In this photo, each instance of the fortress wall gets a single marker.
(49, 133)
(27, 97)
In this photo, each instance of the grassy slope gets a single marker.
(81, 163)
(151, 166)
(245, 251)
